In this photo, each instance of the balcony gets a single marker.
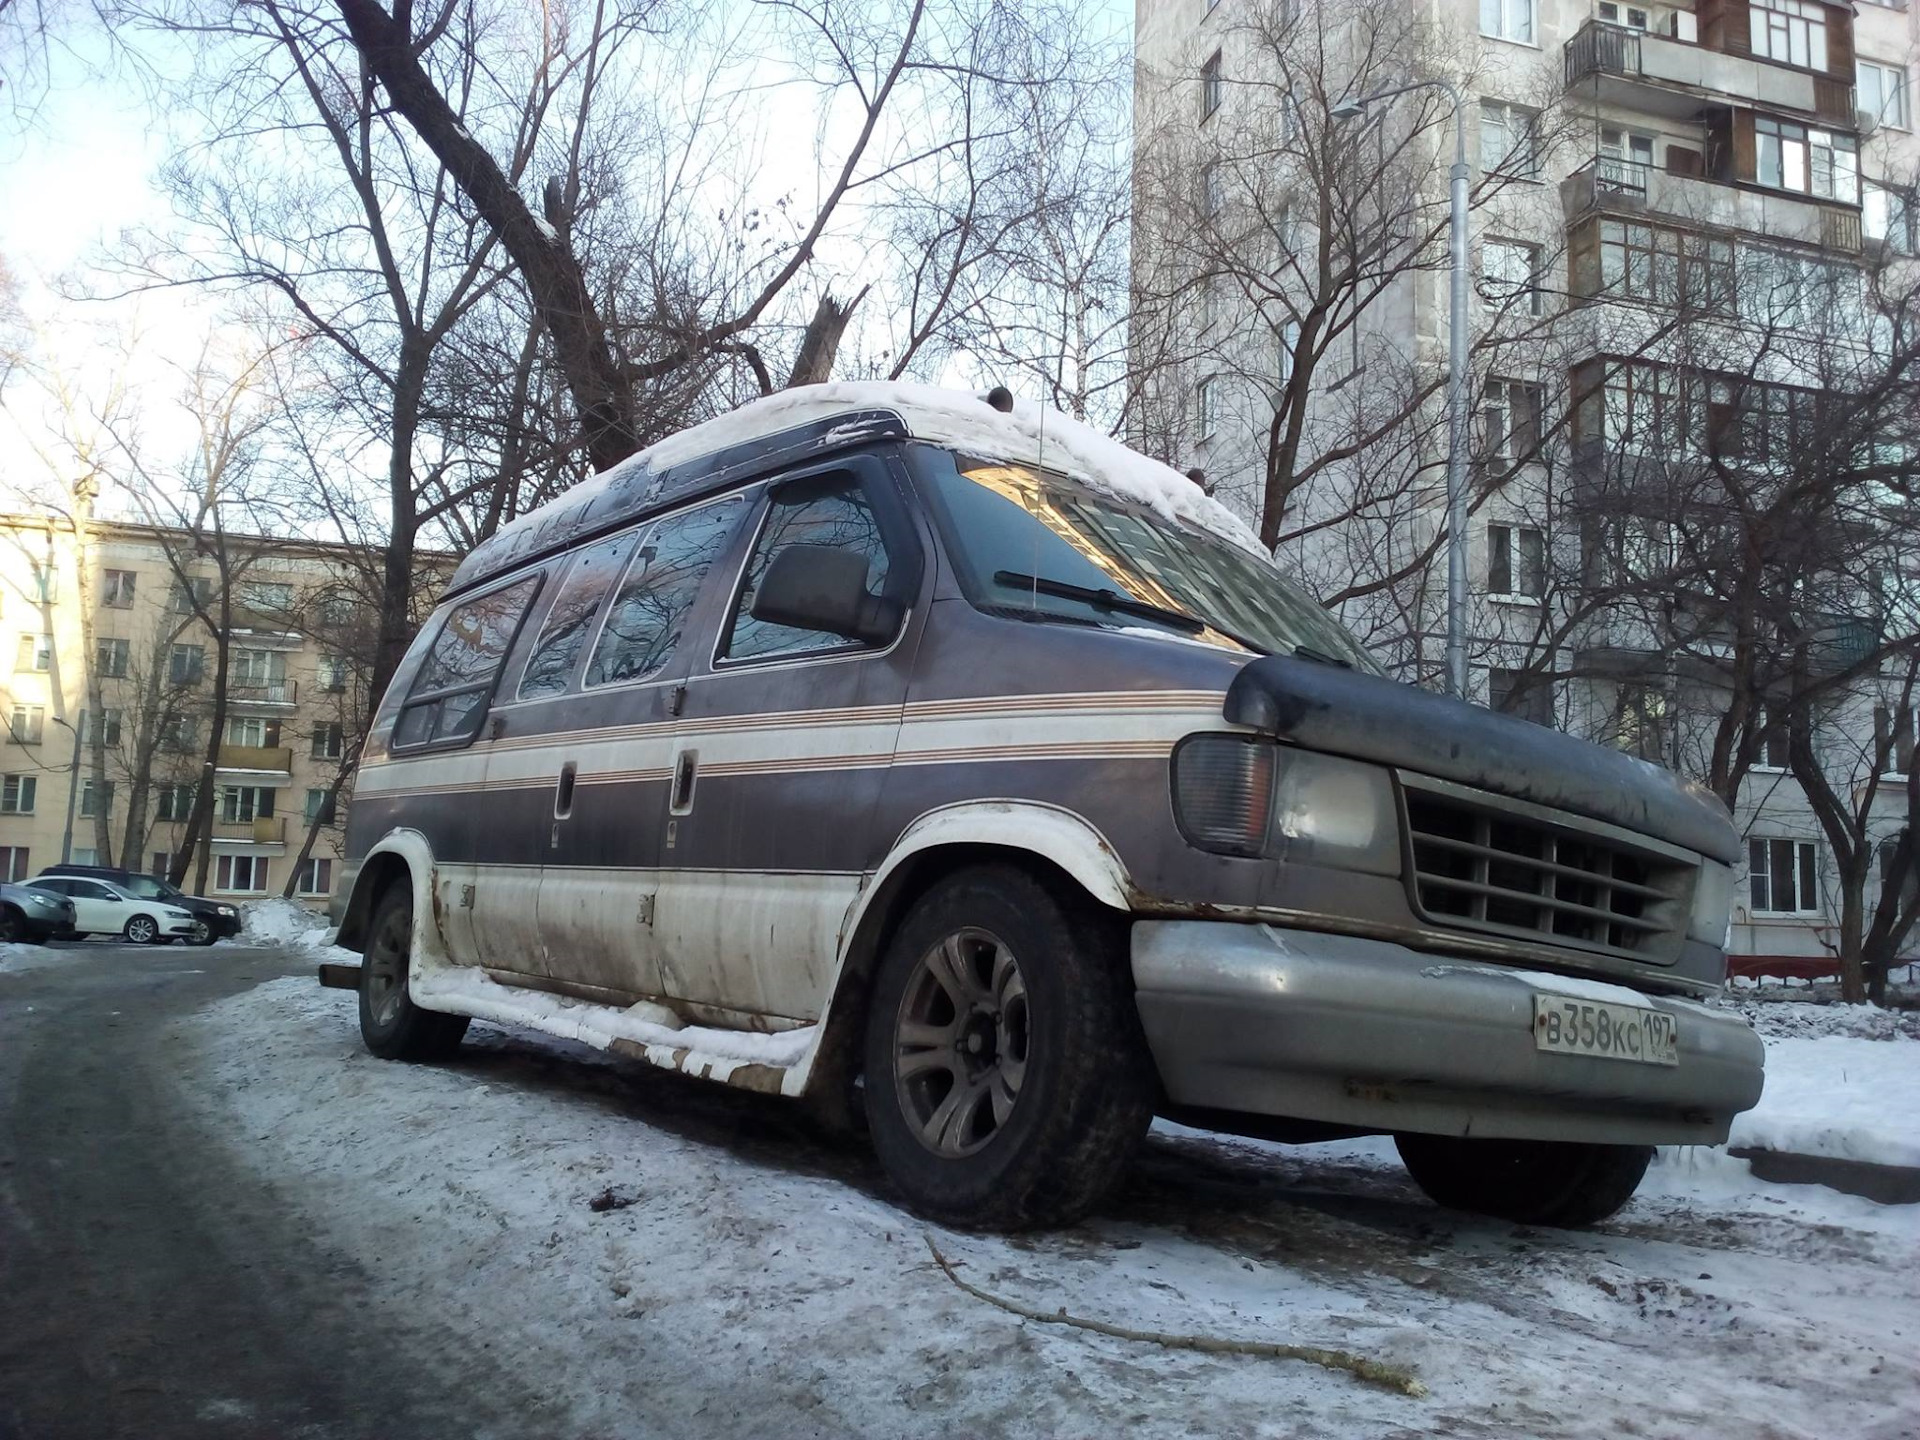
(266, 830)
(1629, 187)
(1664, 75)
(256, 695)
(274, 760)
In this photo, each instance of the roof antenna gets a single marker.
(1001, 399)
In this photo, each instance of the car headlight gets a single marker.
(45, 902)
(226, 910)
(1242, 795)
(1712, 903)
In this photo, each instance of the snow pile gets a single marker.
(762, 1283)
(280, 921)
(1801, 1020)
(1839, 1096)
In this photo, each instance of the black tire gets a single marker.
(1535, 1182)
(141, 930)
(13, 926)
(202, 932)
(1063, 1051)
(393, 1027)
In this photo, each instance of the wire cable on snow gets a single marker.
(1374, 1372)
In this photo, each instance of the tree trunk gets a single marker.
(821, 343)
(1853, 904)
(396, 560)
(601, 390)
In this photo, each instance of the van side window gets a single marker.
(649, 613)
(835, 512)
(570, 620)
(449, 695)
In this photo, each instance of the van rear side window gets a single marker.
(570, 617)
(649, 614)
(450, 694)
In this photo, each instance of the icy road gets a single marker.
(219, 1217)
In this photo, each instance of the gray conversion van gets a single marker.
(943, 762)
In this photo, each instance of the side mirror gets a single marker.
(819, 587)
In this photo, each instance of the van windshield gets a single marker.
(1040, 545)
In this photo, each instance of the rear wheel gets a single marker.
(141, 930)
(1536, 1182)
(1007, 1082)
(393, 1027)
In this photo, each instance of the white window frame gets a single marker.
(39, 654)
(1206, 401)
(1627, 17)
(1804, 855)
(1519, 152)
(15, 862)
(1497, 399)
(111, 655)
(1499, 260)
(1516, 591)
(18, 794)
(1515, 21)
(117, 589)
(310, 871)
(1789, 32)
(1211, 86)
(1891, 98)
(225, 867)
(27, 725)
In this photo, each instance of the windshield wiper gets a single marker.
(1101, 599)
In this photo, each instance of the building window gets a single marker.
(240, 874)
(329, 740)
(1510, 275)
(35, 654)
(190, 595)
(1640, 722)
(1630, 16)
(28, 725)
(1666, 267)
(1516, 562)
(179, 732)
(1507, 142)
(320, 807)
(173, 802)
(1508, 20)
(14, 868)
(96, 797)
(1883, 94)
(1807, 161)
(256, 668)
(1210, 86)
(1886, 216)
(16, 794)
(85, 855)
(110, 658)
(1510, 420)
(1211, 199)
(1774, 736)
(1894, 734)
(101, 725)
(1793, 32)
(316, 876)
(1207, 405)
(333, 674)
(186, 664)
(271, 598)
(253, 731)
(162, 865)
(1519, 692)
(1783, 876)
(116, 593)
(242, 803)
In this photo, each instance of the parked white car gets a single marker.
(103, 908)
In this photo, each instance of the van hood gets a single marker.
(1343, 712)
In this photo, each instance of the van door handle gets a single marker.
(680, 799)
(563, 792)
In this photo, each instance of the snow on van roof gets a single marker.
(1032, 434)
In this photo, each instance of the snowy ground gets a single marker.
(743, 1277)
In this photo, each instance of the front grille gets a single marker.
(1480, 864)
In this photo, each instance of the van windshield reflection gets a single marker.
(1039, 545)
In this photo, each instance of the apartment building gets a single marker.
(106, 693)
(1681, 215)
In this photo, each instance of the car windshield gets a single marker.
(1033, 543)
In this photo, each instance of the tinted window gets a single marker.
(449, 695)
(834, 512)
(58, 887)
(649, 613)
(147, 889)
(570, 620)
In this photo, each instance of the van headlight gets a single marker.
(1712, 903)
(1242, 795)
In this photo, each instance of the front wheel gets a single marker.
(13, 926)
(201, 934)
(141, 930)
(393, 1027)
(1535, 1182)
(1007, 1081)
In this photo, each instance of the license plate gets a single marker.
(1613, 1032)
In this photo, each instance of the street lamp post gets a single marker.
(73, 790)
(1456, 375)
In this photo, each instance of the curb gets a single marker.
(1884, 1184)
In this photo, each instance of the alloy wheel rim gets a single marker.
(140, 930)
(386, 970)
(961, 1043)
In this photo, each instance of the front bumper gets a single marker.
(176, 927)
(1364, 1033)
